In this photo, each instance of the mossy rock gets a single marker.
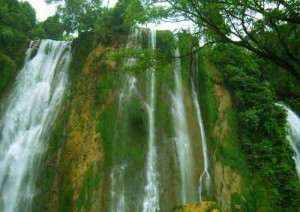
(7, 70)
(206, 206)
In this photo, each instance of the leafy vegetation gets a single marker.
(17, 19)
(51, 28)
(262, 124)
(268, 28)
(77, 15)
(240, 32)
(18, 24)
(81, 16)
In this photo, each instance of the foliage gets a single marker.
(110, 23)
(83, 46)
(7, 69)
(262, 124)
(53, 28)
(268, 28)
(17, 15)
(285, 86)
(138, 12)
(161, 58)
(77, 15)
(17, 19)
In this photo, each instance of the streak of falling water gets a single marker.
(117, 181)
(205, 179)
(151, 199)
(117, 192)
(294, 135)
(31, 109)
(182, 139)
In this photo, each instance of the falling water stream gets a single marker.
(151, 199)
(205, 179)
(156, 153)
(294, 135)
(182, 139)
(158, 149)
(117, 175)
(29, 112)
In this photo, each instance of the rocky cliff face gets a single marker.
(82, 155)
(229, 185)
(206, 206)
(227, 181)
(72, 176)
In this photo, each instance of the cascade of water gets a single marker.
(118, 193)
(205, 179)
(31, 108)
(151, 199)
(117, 190)
(182, 139)
(117, 187)
(294, 135)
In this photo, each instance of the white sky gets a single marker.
(110, 3)
(43, 11)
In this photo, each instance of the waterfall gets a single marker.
(117, 175)
(182, 139)
(205, 179)
(117, 192)
(29, 113)
(294, 135)
(156, 139)
(151, 199)
(118, 195)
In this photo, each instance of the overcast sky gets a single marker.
(43, 11)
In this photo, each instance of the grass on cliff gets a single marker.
(90, 183)
(228, 151)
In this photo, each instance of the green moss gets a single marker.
(6, 74)
(10, 62)
(165, 44)
(104, 85)
(82, 47)
(207, 98)
(145, 38)
(237, 203)
(229, 151)
(106, 128)
(66, 198)
(48, 170)
(90, 183)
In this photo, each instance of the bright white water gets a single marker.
(294, 136)
(205, 179)
(151, 199)
(182, 139)
(29, 112)
(118, 193)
